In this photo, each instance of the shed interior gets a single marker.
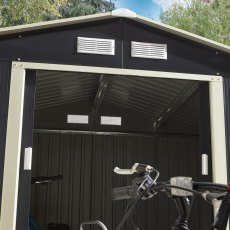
(160, 126)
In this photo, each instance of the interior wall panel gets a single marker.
(5, 73)
(86, 163)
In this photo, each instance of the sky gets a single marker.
(147, 8)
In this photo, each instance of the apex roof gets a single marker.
(116, 13)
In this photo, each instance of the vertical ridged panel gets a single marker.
(226, 81)
(27, 141)
(86, 163)
(5, 73)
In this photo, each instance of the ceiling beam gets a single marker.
(178, 101)
(103, 84)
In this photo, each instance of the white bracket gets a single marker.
(28, 158)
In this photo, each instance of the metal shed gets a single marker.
(94, 92)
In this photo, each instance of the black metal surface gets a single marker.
(86, 163)
(205, 129)
(205, 136)
(5, 70)
(23, 205)
(58, 45)
(183, 55)
(226, 82)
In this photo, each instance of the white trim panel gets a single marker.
(13, 150)
(116, 71)
(218, 138)
(217, 119)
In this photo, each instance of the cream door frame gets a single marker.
(15, 118)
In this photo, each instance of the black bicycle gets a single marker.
(181, 189)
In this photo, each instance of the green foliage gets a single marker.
(18, 12)
(84, 7)
(211, 20)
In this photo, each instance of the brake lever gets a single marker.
(137, 168)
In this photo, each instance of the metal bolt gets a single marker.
(217, 52)
(217, 73)
(19, 59)
(20, 36)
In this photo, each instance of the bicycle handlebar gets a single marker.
(124, 193)
(144, 187)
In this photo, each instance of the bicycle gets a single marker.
(181, 190)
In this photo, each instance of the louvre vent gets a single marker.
(148, 50)
(95, 46)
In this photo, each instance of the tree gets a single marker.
(18, 12)
(75, 8)
(208, 19)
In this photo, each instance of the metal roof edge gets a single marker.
(116, 13)
(183, 33)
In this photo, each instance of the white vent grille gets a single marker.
(77, 119)
(148, 50)
(105, 120)
(95, 46)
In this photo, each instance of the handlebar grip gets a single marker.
(124, 193)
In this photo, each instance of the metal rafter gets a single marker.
(103, 84)
(178, 101)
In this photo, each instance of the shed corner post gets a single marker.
(217, 120)
(218, 136)
(13, 149)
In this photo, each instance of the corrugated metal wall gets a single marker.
(87, 163)
(5, 71)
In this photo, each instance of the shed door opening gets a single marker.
(160, 125)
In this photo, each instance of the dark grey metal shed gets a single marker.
(167, 88)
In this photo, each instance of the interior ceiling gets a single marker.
(161, 99)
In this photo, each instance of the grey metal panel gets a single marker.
(55, 88)
(149, 97)
(186, 119)
(87, 163)
(5, 73)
